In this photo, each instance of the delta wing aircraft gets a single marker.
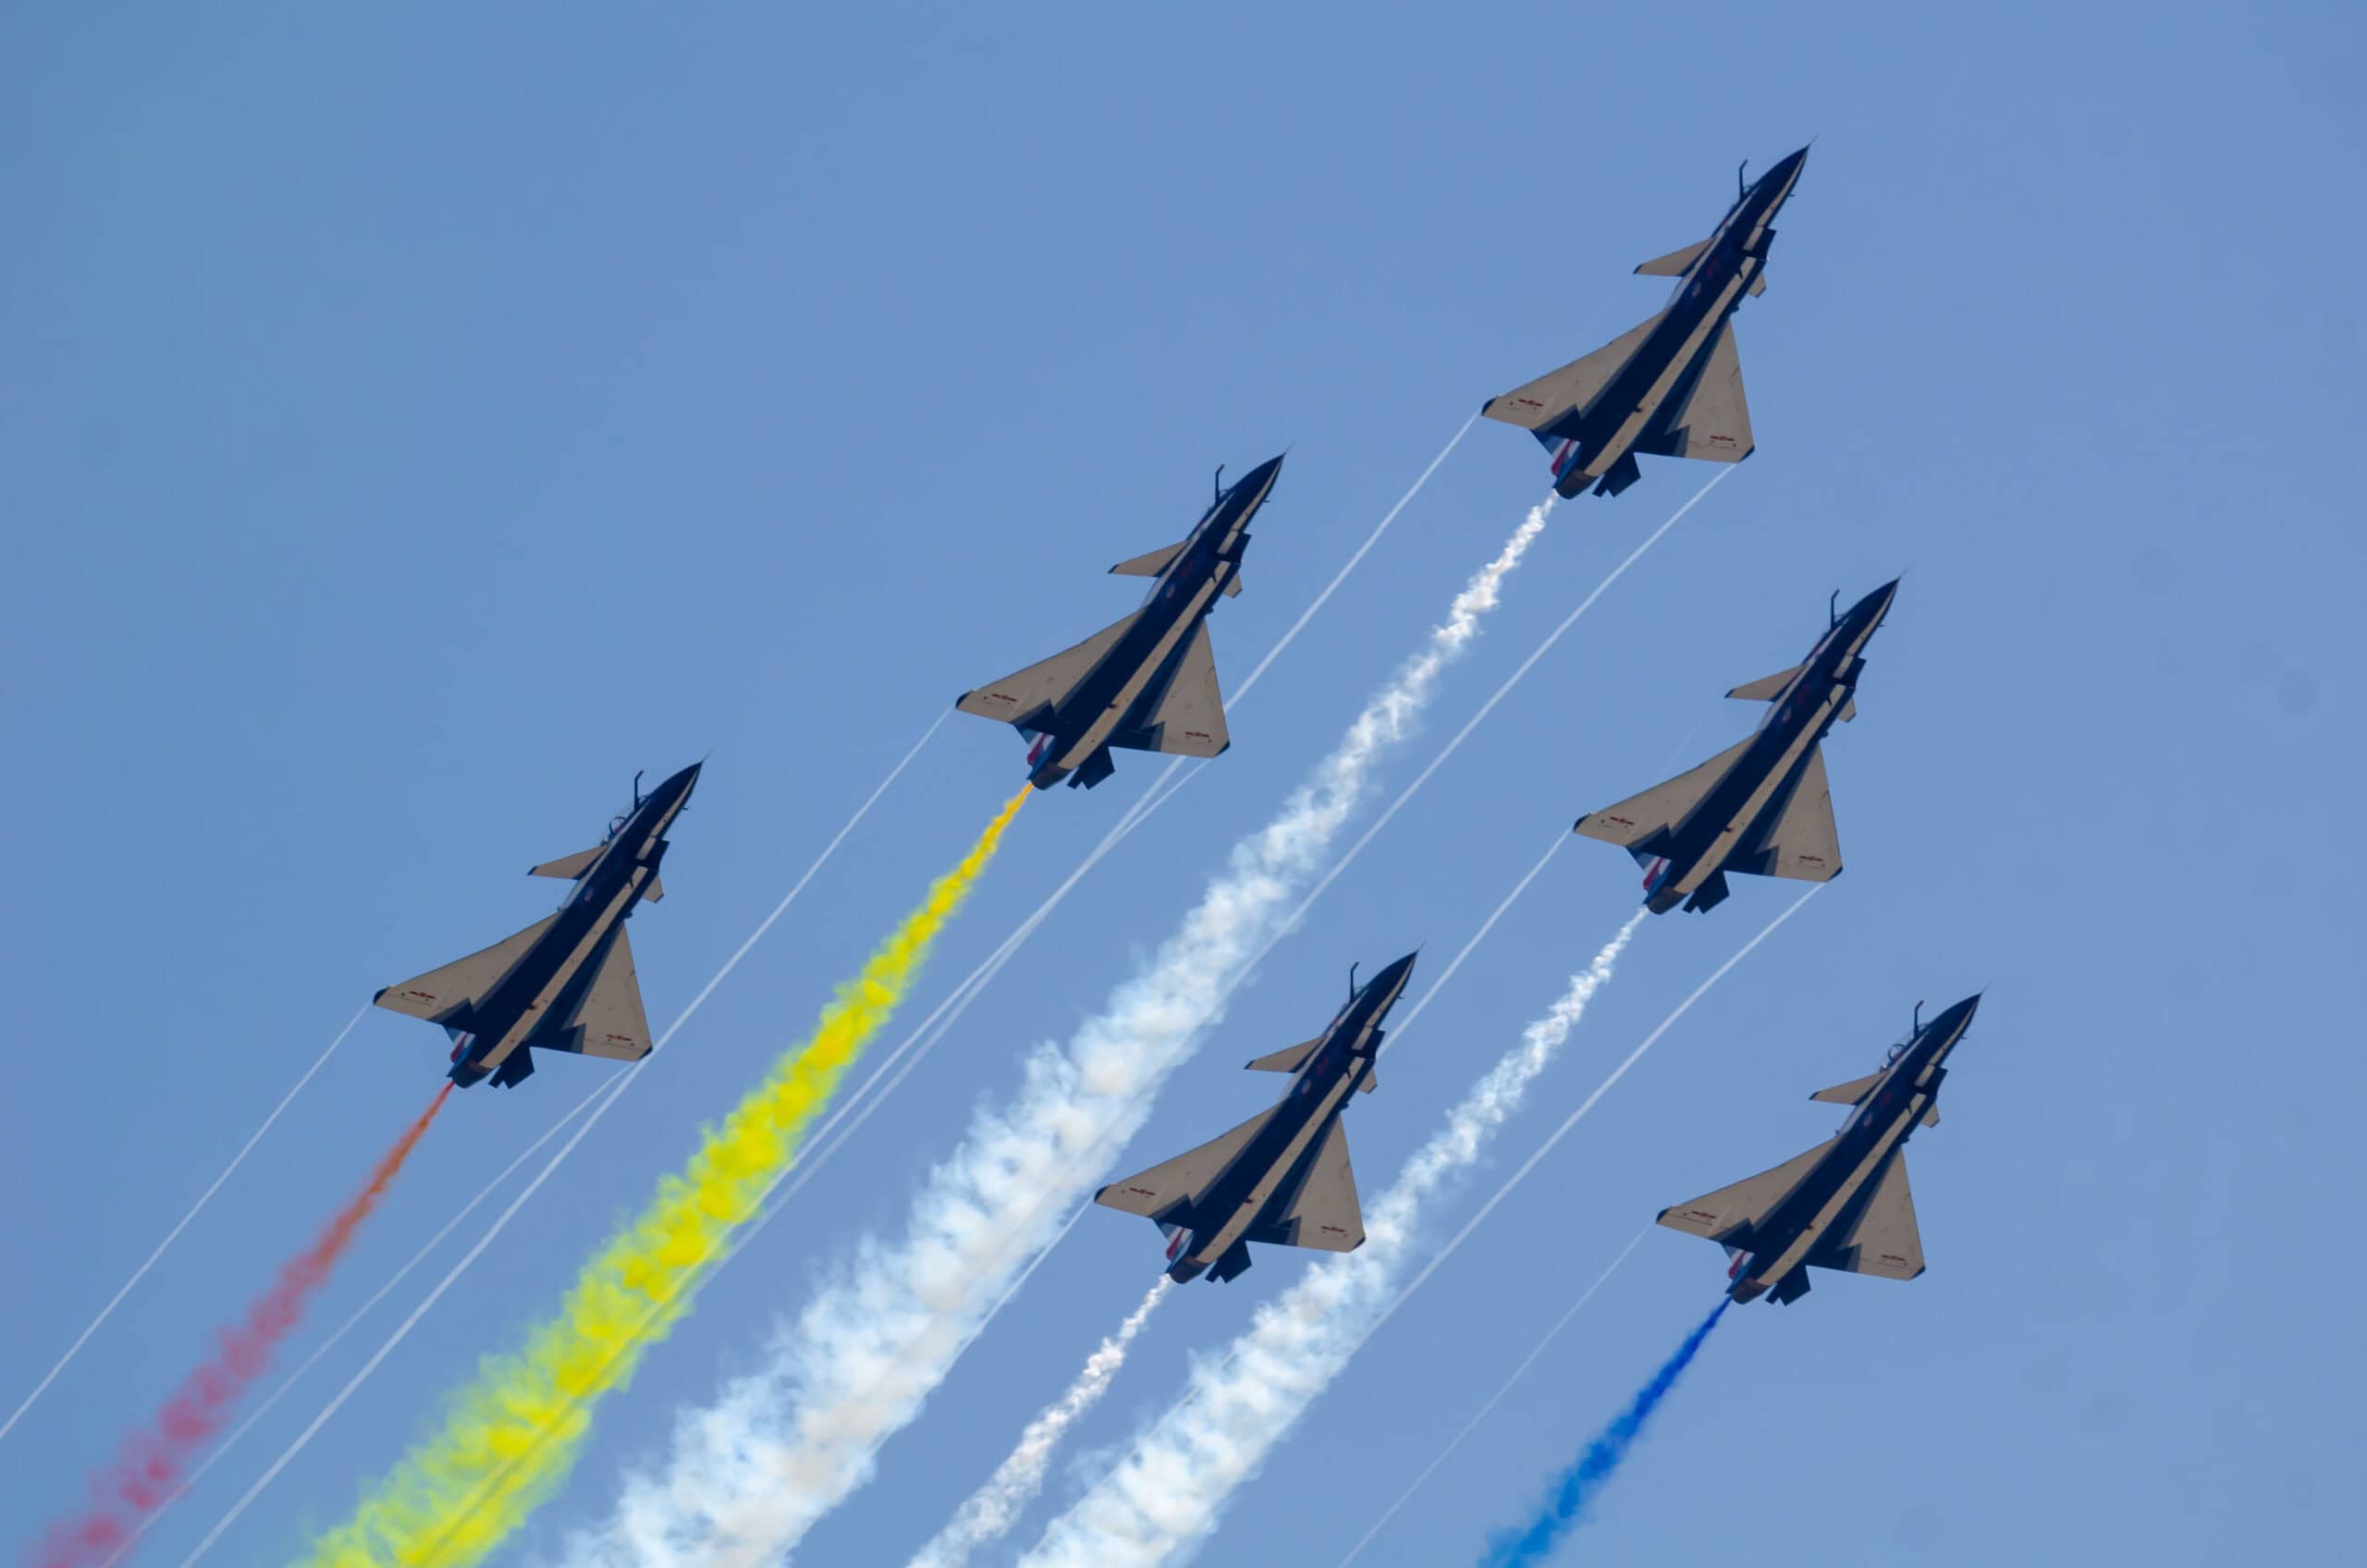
(1672, 386)
(1845, 1204)
(565, 983)
(1761, 806)
(1282, 1176)
(1148, 683)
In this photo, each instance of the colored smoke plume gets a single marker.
(510, 1435)
(781, 1446)
(153, 1460)
(1575, 1488)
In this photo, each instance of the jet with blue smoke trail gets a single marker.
(1761, 806)
(1845, 1204)
(1149, 682)
(1282, 1176)
(1672, 386)
(565, 983)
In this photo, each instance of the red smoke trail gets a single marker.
(152, 1460)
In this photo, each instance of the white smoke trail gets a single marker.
(750, 1474)
(174, 1234)
(1493, 1400)
(992, 1510)
(1169, 1492)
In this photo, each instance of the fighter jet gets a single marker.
(1149, 683)
(566, 982)
(1672, 386)
(1845, 1204)
(1282, 1176)
(1762, 805)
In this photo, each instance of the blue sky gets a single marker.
(411, 423)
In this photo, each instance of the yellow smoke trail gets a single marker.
(509, 1436)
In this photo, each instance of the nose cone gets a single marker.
(1251, 488)
(1786, 172)
(1868, 611)
(677, 790)
(1956, 1020)
(1390, 983)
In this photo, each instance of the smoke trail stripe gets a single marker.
(988, 1512)
(1495, 1398)
(135, 1483)
(1575, 1486)
(174, 1234)
(484, 1190)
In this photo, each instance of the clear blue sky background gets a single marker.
(411, 423)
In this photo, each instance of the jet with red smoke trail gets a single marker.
(1761, 806)
(1282, 1177)
(1149, 682)
(1845, 1204)
(1672, 386)
(565, 983)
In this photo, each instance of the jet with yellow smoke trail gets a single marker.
(1147, 682)
(509, 1436)
(565, 983)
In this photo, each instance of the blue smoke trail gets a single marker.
(1575, 1486)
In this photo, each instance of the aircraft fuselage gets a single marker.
(1755, 789)
(1075, 735)
(490, 1040)
(1877, 1130)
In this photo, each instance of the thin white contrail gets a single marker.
(174, 1234)
(992, 1510)
(614, 1092)
(1493, 1400)
(750, 1472)
(989, 1512)
(1170, 1491)
(484, 1191)
(1362, 550)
